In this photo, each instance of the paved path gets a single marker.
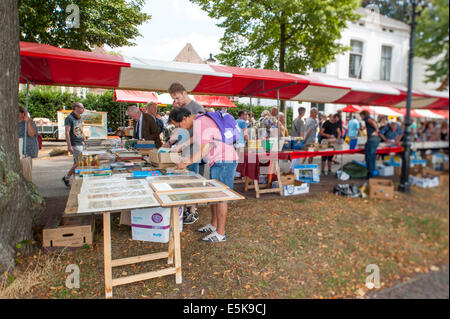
(432, 285)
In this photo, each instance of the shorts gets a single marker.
(224, 172)
(77, 150)
(327, 158)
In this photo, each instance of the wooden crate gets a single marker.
(70, 232)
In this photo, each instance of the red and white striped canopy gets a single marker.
(391, 111)
(48, 65)
(164, 99)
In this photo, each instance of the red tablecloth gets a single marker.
(250, 163)
(302, 154)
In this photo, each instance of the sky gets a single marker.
(173, 24)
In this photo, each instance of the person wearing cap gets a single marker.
(391, 133)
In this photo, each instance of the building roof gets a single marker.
(188, 54)
(375, 17)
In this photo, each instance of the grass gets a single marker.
(314, 246)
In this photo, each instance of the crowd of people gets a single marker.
(191, 129)
(315, 128)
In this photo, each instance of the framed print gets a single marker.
(187, 197)
(170, 186)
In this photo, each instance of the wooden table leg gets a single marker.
(256, 188)
(280, 184)
(247, 180)
(171, 248)
(177, 244)
(107, 254)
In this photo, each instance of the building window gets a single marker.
(320, 70)
(386, 61)
(319, 106)
(356, 54)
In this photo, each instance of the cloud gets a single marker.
(175, 23)
(189, 11)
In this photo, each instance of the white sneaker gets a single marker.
(214, 237)
(207, 229)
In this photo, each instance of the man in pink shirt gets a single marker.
(222, 159)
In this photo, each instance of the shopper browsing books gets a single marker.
(181, 99)
(221, 157)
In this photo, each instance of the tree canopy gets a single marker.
(432, 36)
(288, 35)
(81, 24)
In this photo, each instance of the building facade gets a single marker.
(379, 53)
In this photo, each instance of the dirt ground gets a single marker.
(307, 246)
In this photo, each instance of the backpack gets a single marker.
(227, 125)
(39, 139)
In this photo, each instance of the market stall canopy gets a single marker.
(214, 101)
(390, 111)
(48, 65)
(135, 96)
(165, 99)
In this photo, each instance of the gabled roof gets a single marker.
(188, 54)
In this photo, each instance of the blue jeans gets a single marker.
(353, 142)
(370, 151)
(194, 167)
(224, 172)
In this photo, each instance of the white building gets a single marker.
(379, 53)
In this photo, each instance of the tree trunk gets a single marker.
(19, 200)
(282, 61)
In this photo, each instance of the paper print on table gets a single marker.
(90, 206)
(129, 193)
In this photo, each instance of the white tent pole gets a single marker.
(251, 122)
(278, 114)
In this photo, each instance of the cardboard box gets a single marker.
(152, 224)
(163, 158)
(424, 182)
(416, 170)
(413, 170)
(308, 173)
(443, 176)
(288, 179)
(291, 190)
(384, 170)
(69, 232)
(381, 188)
(163, 165)
(395, 161)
